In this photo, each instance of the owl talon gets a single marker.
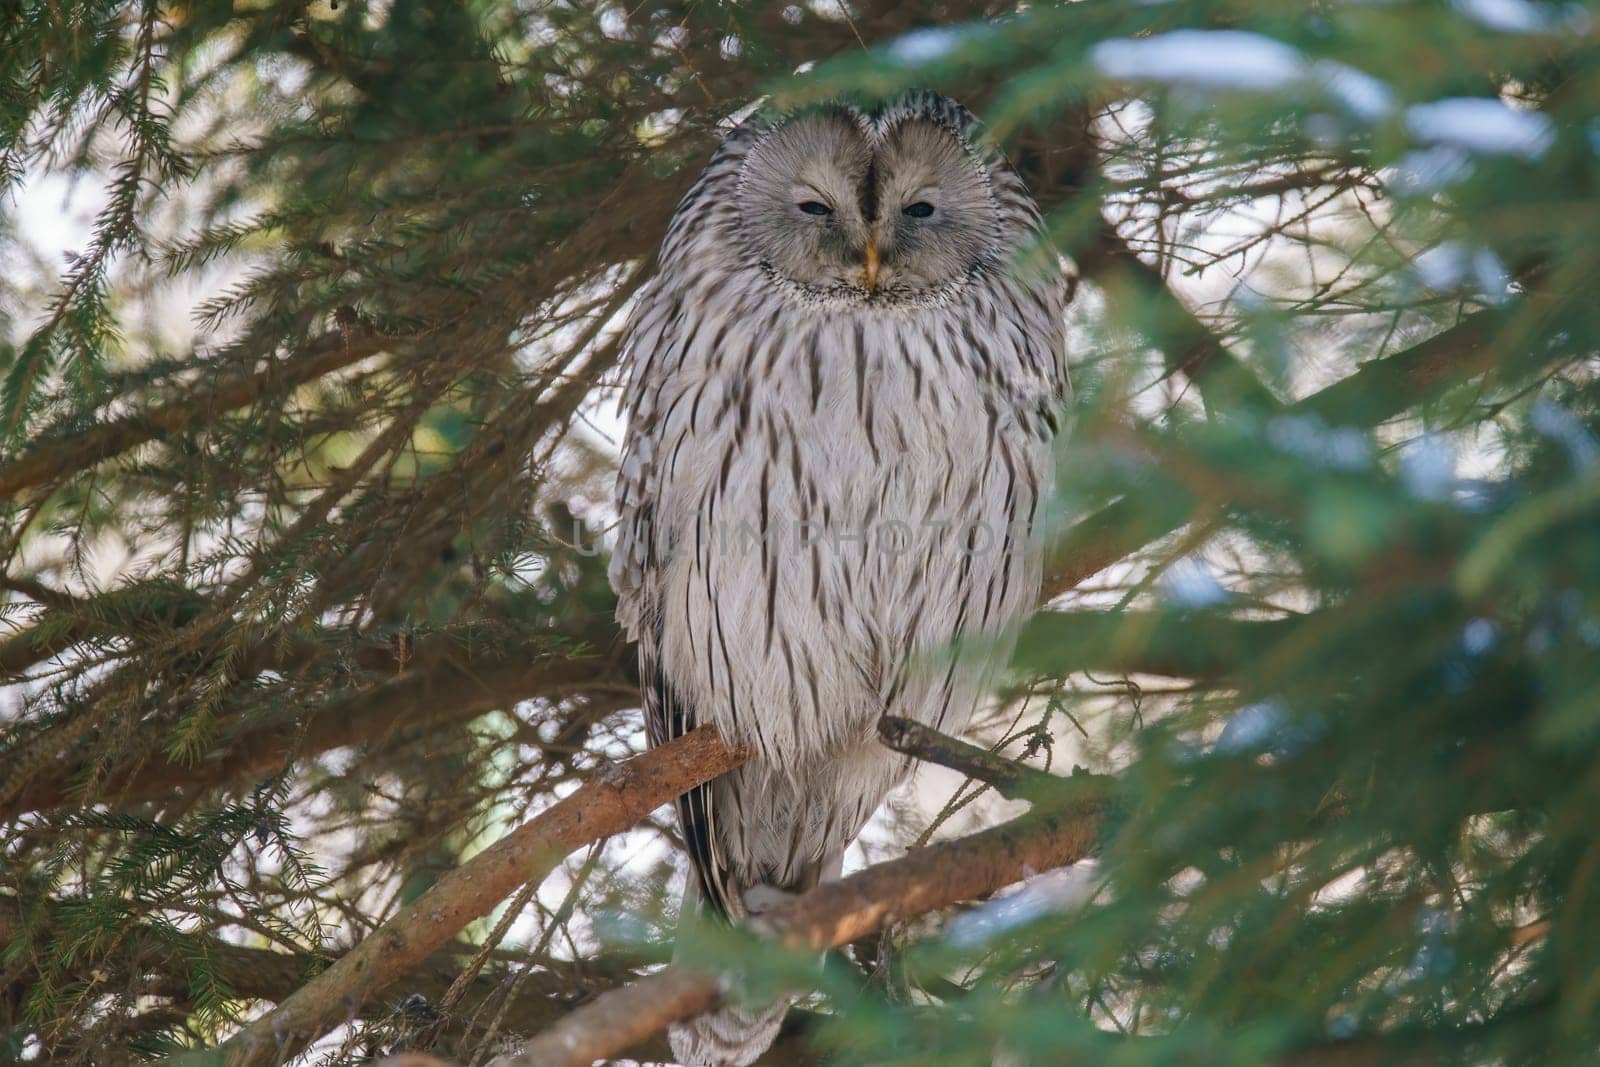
(760, 899)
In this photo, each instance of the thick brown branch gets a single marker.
(831, 915)
(608, 804)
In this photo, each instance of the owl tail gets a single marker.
(728, 1037)
(732, 1035)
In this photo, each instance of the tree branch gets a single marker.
(830, 915)
(1190, 346)
(53, 458)
(450, 680)
(456, 686)
(160, 963)
(1382, 388)
(609, 803)
(1100, 539)
(1012, 780)
(69, 620)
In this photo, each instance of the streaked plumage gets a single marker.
(823, 484)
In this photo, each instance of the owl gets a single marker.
(841, 397)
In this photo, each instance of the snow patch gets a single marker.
(1204, 59)
(1484, 125)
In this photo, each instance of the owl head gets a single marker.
(896, 205)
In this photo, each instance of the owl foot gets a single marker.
(760, 899)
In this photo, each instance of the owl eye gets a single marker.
(920, 210)
(815, 207)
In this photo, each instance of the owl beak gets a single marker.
(872, 265)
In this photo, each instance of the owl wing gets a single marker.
(634, 560)
(646, 533)
(646, 536)
(651, 353)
